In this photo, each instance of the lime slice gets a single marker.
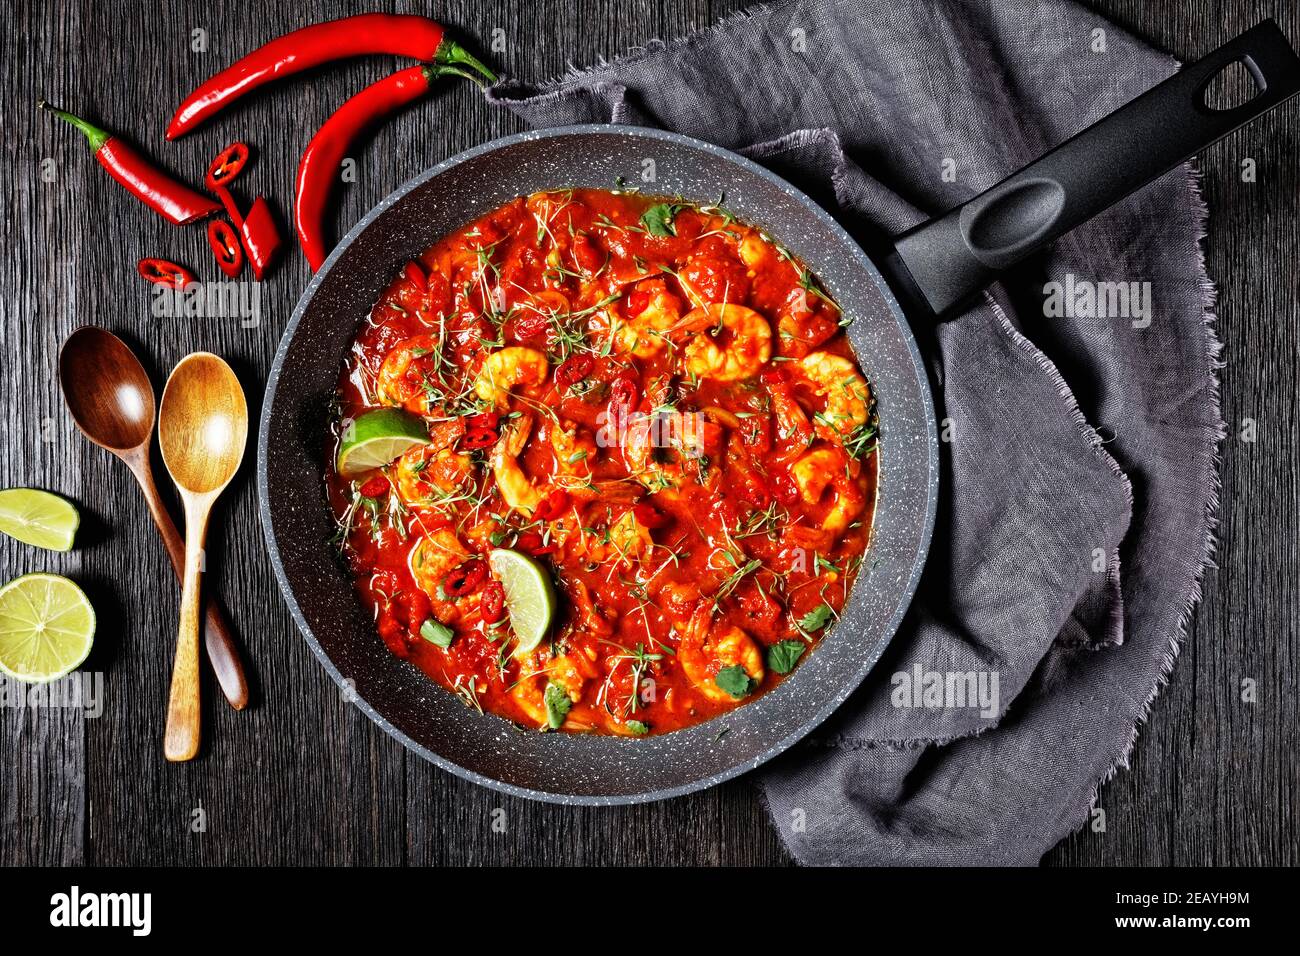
(38, 518)
(530, 596)
(376, 438)
(47, 627)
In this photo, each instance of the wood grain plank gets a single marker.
(303, 777)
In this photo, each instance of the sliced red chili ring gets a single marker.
(531, 325)
(552, 506)
(624, 392)
(648, 515)
(466, 579)
(375, 487)
(483, 420)
(225, 246)
(492, 603)
(479, 438)
(165, 272)
(574, 369)
(227, 166)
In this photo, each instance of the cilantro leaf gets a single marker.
(734, 681)
(783, 656)
(658, 219)
(816, 619)
(436, 633)
(638, 727)
(557, 705)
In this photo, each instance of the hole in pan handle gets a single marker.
(942, 263)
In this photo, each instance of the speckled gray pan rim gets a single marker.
(565, 768)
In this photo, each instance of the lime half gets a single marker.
(38, 518)
(47, 627)
(374, 439)
(530, 596)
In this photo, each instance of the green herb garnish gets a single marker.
(734, 681)
(557, 705)
(783, 656)
(658, 219)
(816, 619)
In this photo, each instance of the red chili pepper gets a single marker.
(318, 170)
(164, 272)
(552, 506)
(492, 603)
(649, 516)
(261, 237)
(638, 300)
(531, 543)
(574, 369)
(412, 36)
(225, 169)
(158, 190)
(479, 438)
(375, 487)
(466, 579)
(784, 490)
(225, 246)
(483, 420)
(531, 325)
(624, 392)
(416, 276)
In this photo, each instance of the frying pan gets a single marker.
(928, 274)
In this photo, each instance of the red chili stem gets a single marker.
(399, 35)
(158, 190)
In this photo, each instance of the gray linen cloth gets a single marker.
(1079, 455)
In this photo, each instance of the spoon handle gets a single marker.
(181, 741)
(223, 653)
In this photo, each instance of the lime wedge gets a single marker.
(530, 596)
(38, 518)
(374, 439)
(47, 627)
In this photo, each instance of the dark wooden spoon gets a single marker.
(112, 401)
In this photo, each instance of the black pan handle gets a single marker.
(949, 259)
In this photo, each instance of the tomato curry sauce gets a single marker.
(656, 402)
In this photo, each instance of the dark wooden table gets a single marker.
(303, 777)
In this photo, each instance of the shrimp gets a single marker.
(565, 672)
(427, 473)
(707, 648)
(643, 438)
(434, 556)
(517, 490)
(825, 468)
(573, 457)
(653, 313)
(748, 348)
(792, 423)
(845, 391)
(404, 374)
(506, 368)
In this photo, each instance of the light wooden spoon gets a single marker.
(202, 429)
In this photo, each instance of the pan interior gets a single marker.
(298, 526)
